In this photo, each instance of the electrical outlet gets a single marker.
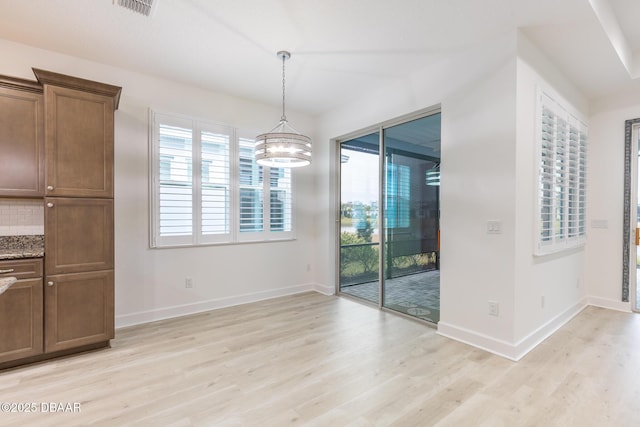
(308, 267)
(542, 301)
(493, 308)
(188, 283)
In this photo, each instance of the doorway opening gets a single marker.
(635, 220)
(631, 217)
(389, 252)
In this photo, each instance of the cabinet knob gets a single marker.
(49, 187)
(49, 283)
(49, 205)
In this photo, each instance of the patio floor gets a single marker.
(416, 294)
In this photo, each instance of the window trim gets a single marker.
(234, 236)
(548, 99)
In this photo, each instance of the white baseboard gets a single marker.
(511, 351)
(508, 350)
(201, 306)
(610, 304)
(532, 340)
(324, 289)
(475, 339)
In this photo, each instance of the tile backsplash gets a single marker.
(21, 217)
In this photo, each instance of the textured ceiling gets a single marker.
(341, 49)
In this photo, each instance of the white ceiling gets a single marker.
(341, 49)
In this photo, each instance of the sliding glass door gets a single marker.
(411, 267)
(389, 217)
(359, 214)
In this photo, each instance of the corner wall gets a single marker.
(477, 186)
(477, 93)
(549, 290)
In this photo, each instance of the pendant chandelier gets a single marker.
(283, 146)
(432, 176)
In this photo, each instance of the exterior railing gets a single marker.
(359, 263)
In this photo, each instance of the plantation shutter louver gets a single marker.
(215, 183)
(251, 189)
(280, 199)
(546, 175)
(176, 188)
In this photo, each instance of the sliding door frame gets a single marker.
(380, 129)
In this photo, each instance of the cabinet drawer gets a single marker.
(21, 268)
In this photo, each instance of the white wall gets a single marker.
(478, 156)
(603, 273)
(150, 283)
(559, 278)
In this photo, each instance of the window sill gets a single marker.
(243, 242)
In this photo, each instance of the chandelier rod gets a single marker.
(284, 57)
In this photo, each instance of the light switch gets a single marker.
(494, 227)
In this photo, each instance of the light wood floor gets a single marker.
(315, 360)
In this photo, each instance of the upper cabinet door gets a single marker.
(21, 139)
(79, 143)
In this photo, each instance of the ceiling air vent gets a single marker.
(143, 7)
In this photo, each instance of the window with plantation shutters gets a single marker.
(207, 188)
(265, 197)
(280, 200)
(561, 182)
(175, 184)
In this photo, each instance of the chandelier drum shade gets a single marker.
(432, 176)
(283, 146)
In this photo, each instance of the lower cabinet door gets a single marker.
(78, 309)
(21, 320)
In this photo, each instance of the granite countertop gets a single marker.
(16, 247)
(5, 283)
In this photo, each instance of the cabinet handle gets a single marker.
(49, 283)
(49, 205)
(49, 187)
(8, 270)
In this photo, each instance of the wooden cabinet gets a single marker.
(79, 234)
(79, 126)
(79, 143)
(79, 272)
(57, 140)
(21, 138)
(79, 258)
(78, 309)
(21, 311)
